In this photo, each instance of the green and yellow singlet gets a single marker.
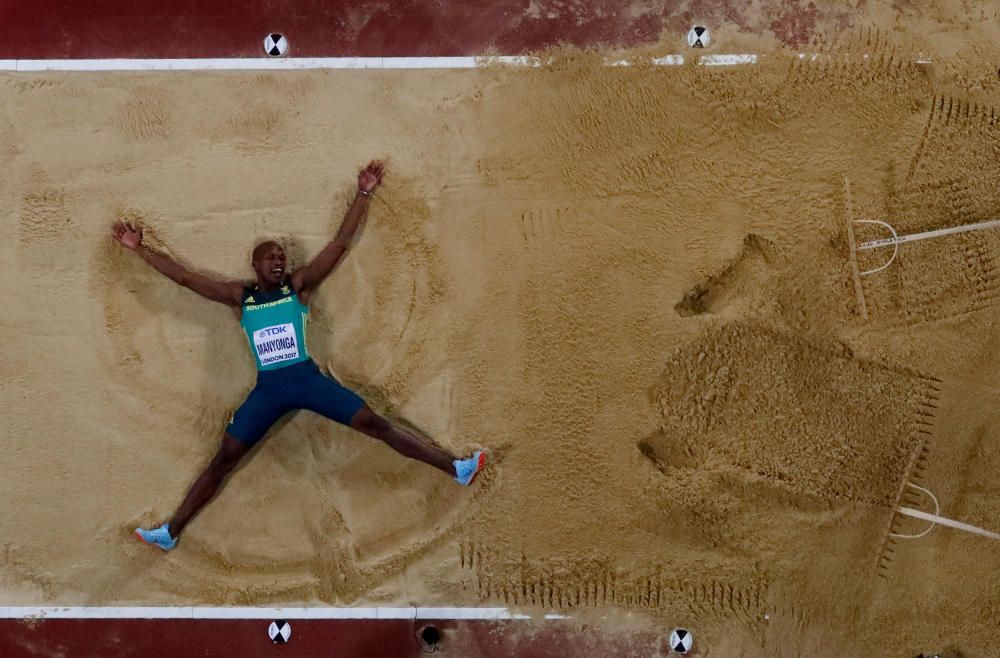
(275, 326)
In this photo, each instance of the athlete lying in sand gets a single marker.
(273, 313)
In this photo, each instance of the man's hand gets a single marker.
(127, 234)
(370, 177)
(226, 292)
(313, 274)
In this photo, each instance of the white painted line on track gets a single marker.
(728, 60)
(221, 64)
(295, 63)
(429, 62)
(383, 63)
(226, 612)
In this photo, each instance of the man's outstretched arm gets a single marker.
(225, 292)
(315, 272)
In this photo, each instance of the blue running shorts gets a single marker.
(299, 386)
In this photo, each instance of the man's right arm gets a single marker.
(224, 292)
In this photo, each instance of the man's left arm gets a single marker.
(313, 274)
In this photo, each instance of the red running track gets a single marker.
(47, 29)
(79, 29)
(336, 638)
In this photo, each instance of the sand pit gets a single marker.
(748, 381)
(632, 283)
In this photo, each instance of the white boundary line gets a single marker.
(286, 63)
(152, 612)
(293, 63)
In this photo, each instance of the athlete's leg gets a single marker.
(325, 396)
(251, 421)
(207, 484)
(368, 422)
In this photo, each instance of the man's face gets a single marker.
(269, 263)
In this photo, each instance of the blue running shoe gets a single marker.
(467, 469)
(159, 537)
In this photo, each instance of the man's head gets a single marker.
(268, 261)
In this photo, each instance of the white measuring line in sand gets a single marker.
(294, 63)
(937, 519)
(224, 612)
(900, 239)
(897, 239)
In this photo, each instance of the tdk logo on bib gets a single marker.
(274, 344)
(274, 331)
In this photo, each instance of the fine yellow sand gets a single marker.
(631, 283)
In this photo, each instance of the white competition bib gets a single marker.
(277, 343)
